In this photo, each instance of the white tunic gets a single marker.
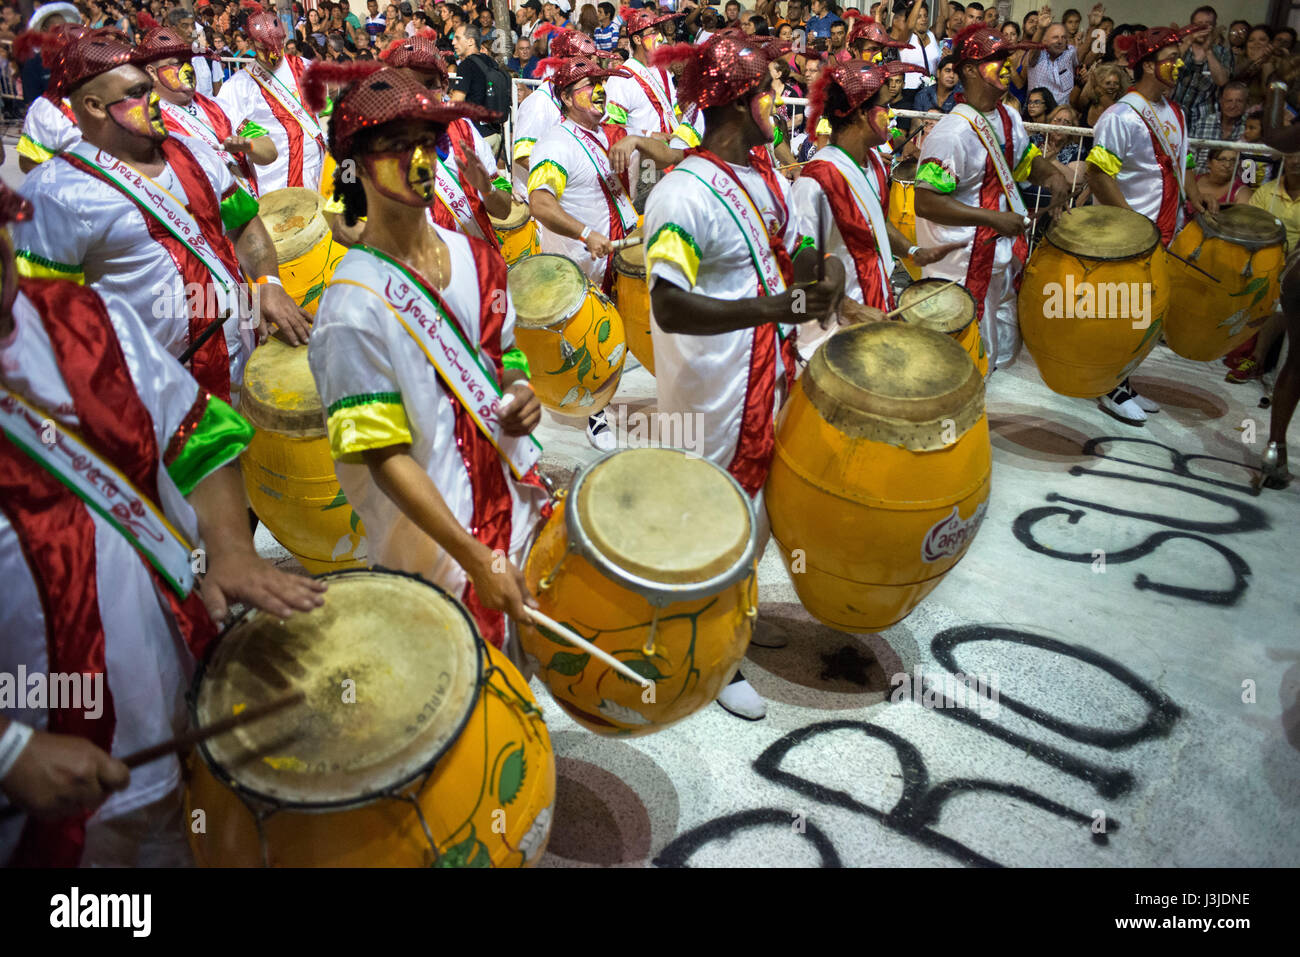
(1121, 133)
(46, 130)
(627, 94)
(148, 664)
(537, 114)
(709, 374)
(450, 171)
(86, 225)
(242, 99)
(358, 350)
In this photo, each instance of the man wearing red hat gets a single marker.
(868, 39)
(166, 57)
(1139, 161)
(645, 100)
(415, 329)
(114, 464)
(156, 219)
(840, 196)
(966, 189)
(718, 260)
(268, 93)
(541, 111)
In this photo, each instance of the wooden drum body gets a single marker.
(1244, 248)
(517, 233)
(881, 473)
(650, 556)
(1094, 298)
(902, 207)
(288, 471)
(304, 246)
(633, 298)
(951, 312)
(570, 332)
(435, 728)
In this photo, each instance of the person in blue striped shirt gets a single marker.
(606, 33)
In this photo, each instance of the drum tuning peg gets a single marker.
(1248, 272)
(1195, 254)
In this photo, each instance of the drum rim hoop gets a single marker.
(898, 172)
(278, 804)
(507, 225)
(1047, 237)
(659, 594)
(1252, 243)
(322, 229)
(302, 423)
(936, 282)
(558, 320)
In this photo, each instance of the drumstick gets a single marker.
(1186, 262)
(183, 742)
(569, 635)
(204, 336)
(929, 295)
(618, 244)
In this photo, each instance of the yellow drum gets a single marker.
(288, 471)
(570, 332)
(411, 721)
(902, 207)
(951, 312)
(633, 298)
(517, 233)
(1244, 248)
(1093, 299)
(327, 177)
(881, 473)
(306, 251)
(650, 556)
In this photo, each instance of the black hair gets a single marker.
(1067, 13)
(1049, 101)
(1206, 9)
(977, 6)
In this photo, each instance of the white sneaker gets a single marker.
(599, 434)
(1127, 410)
(743, 701)
(1145, 404)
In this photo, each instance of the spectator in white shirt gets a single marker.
(1055, 66)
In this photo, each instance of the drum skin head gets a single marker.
(630, 261)
(412, 657)
(519, 213)
(1103, 233)
(904, 172)
(664, 515)
(1244, 225)
(948, 312)
(546, 289)
(279, 391)
(896, 383)
(295, 218)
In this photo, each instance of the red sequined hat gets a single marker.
(1136, 47)
(722, 70)
(582, 68)
(566, 43)
(418, 53)
(866, 28)
(374, 96)
(860, 82)
(49, 42)
(639, 20)
(86, 57)
(162, 43)
(978, 42)
(898, 67)
(263, 27)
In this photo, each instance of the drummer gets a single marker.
(580, 202)
(541, 110)
(1140, 161)
(165, 56)
(101, 218)
(468, 185)
(966, 189)
(718, 261)
(49, 127)
(429, 473)
(82, 596)
(837, 199)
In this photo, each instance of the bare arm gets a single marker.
(1104, 188)
(257, 258)
(946, 211)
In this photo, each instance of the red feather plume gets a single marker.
(817, 99)
(672, 53)
(979, 26)
(252, 5)
(320, 74)
(144, 21)
(27, 43)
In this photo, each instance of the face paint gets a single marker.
(405, 176)
(140, 116)
(995, 74)
(760, 108)
(1167, 70)
(177, 77)
(881, 121)
(589, 102)
(652, 41)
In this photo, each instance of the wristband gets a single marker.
(12, 743)
(912, 251)
(586, 231)
(272, 280)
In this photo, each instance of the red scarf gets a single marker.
(220, 124)
(665, 121)
(855, 227)
(979, 271)
(757, 441)
(488, 479)
(291, 126)
(614, 133)
(57, 534)
(1170, 194)
(461, 136)
(210, 365)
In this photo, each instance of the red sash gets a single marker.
(756, 443)
(292, 128)
(665, 122)
(210, 365)
(57, 534)
(614, 133)
(855, 228)
(490, 485)
(460, 134)
(1170, 195)
(220, 124)
(979, 271)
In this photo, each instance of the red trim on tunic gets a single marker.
(855, 228)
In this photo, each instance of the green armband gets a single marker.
(806, 242)
(220, 437)
(502, 184)
(777, 138)
(250, 130)
(238, 208)
(616, 114)
(515, 359)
